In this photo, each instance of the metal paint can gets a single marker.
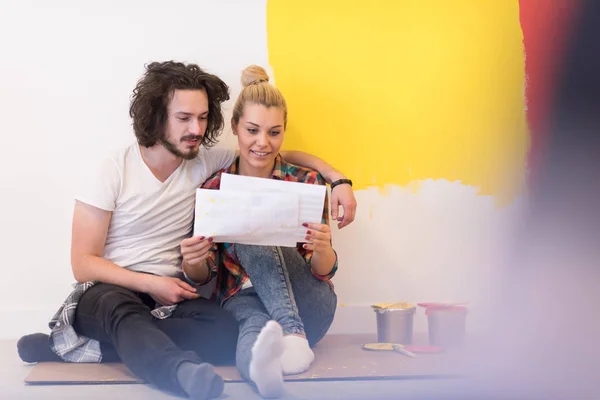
(395, 324)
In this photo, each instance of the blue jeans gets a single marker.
(283, 289)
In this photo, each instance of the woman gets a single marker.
(282, 297)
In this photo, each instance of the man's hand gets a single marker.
(168, 291)
(343, 195)
(195, 250)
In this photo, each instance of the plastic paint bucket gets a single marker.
(447, 324)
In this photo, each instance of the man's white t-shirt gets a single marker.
(149, 218)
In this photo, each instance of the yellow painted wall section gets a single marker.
(392, 92)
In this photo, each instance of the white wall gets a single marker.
(67, 72)
(442, 243)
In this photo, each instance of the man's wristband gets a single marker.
(340, 182)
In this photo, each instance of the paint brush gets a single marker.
(398, 348)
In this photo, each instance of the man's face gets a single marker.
(186, 123)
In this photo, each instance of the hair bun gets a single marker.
(254, 74)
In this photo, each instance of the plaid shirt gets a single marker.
(232, 277)
(65, 341)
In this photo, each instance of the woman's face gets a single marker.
(260, 135)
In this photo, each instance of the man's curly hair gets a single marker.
(155, 89)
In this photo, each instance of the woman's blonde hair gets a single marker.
(258, 90)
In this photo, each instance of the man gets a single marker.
(133, 301)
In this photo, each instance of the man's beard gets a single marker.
(172, 148)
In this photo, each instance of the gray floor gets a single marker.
(13, 371)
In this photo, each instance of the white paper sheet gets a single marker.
(311, 199)
(250, 217)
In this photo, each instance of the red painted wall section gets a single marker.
(545, 25)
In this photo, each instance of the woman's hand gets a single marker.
(319, 237)
(195, 250)
(323, 257)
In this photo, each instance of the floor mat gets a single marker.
(337, 357)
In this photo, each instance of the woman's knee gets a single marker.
(332, 304)
(318, 322)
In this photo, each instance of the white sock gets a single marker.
(265, 366)
(297, 355)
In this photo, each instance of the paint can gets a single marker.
(447, 325)
(395, 322)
